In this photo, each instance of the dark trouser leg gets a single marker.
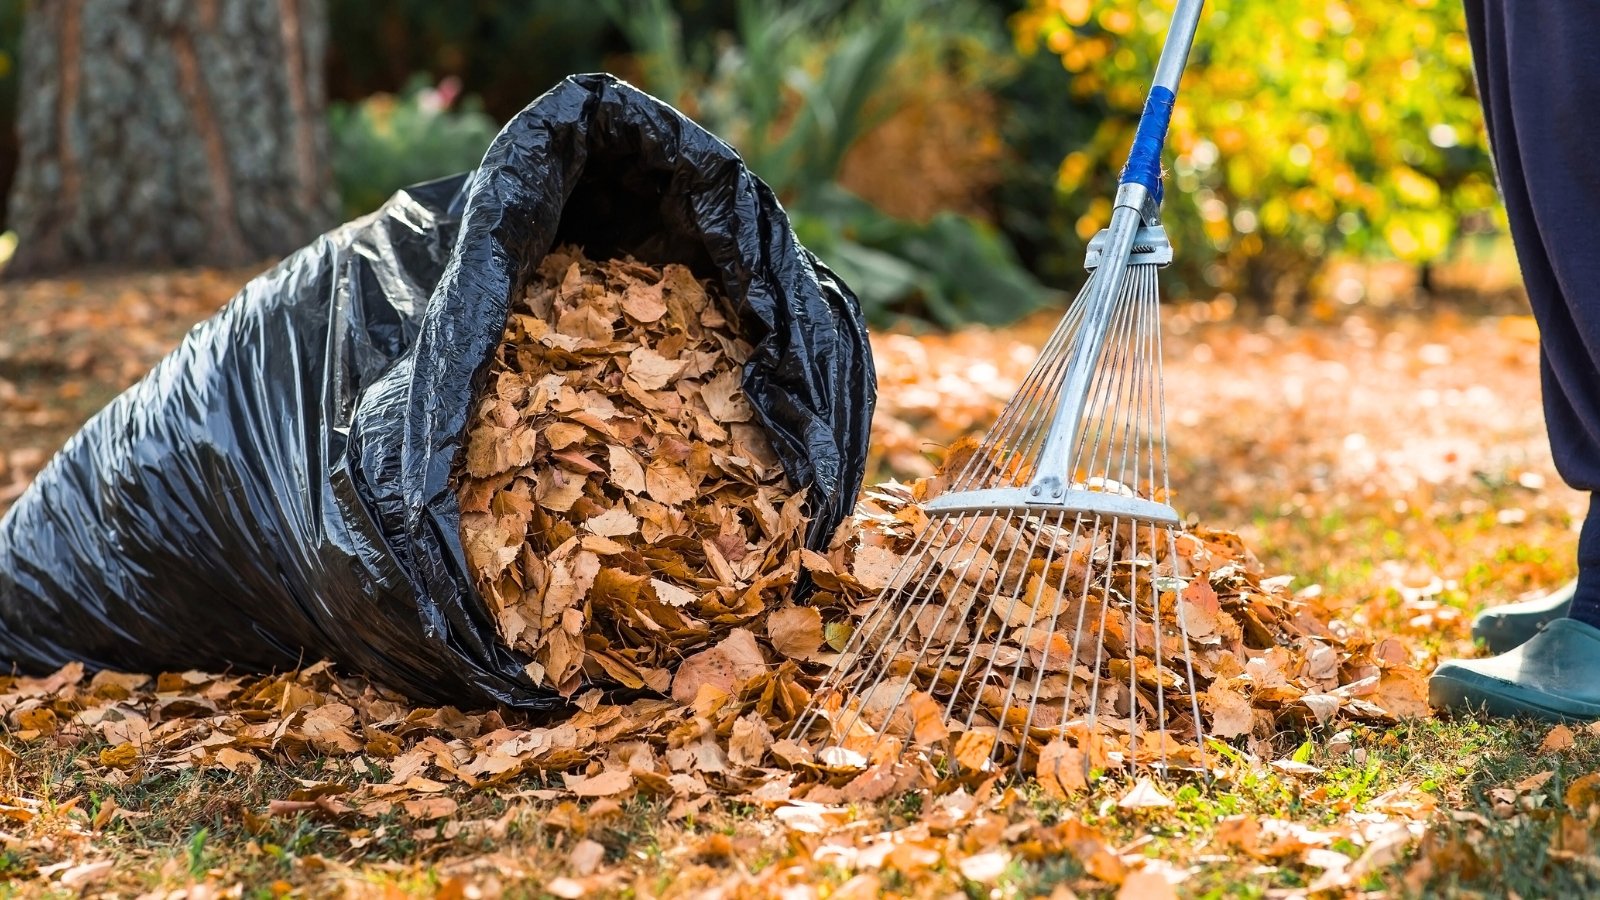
(1538, 67)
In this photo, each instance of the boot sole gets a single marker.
(1487, 696)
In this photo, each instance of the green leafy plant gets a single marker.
(952, 269)
(387, 142)
(199, 855)
(792, 120)
(794, 87)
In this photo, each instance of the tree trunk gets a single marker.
(170, 132)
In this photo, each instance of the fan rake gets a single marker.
(1039, 600)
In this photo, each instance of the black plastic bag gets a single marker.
(276, 490)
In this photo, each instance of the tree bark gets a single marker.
(170, 132)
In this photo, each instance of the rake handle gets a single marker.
(1180, 37)
(1144, 157)
(1141, 180)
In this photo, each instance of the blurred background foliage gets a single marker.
(1303, 130)
(832, 103)
(952, 157)
(388, 141)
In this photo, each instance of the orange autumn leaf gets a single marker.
(1560, 738)
(795, 631)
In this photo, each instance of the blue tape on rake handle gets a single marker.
(1144, 158)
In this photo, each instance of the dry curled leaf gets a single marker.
(795, 631)
(1231, 712)
(1559, 738)
(606, 784)
(1144, 795)
(1062, 770)
(973, 748)
(1583, 792)
(121, 756)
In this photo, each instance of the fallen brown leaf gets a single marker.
(1559, 738)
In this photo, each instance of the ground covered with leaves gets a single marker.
(1393, 466)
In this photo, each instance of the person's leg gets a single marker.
(1538, 69)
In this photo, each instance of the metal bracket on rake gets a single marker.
(1150, 245)
(1075, 500)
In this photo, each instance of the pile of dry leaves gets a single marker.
(620, 506)
(747, 687)
(721, 735)
(1069, 644)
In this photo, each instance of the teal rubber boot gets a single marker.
(1506, 627)
(1554, 676)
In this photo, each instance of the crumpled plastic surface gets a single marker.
(276, 490)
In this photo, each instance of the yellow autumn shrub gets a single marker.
(1301, 129)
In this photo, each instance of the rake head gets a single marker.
(1036, 614)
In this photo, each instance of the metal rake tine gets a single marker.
(1156, 408)
(882, 662)
(972, 649)
(1133, 646)
(1194, 687)
(1049, 642)
(999, 640)
(1172, 557)
(1125, 386)
(863, 634)
(1028, 446)
(833, 679)
(1141, 285)
(1100, 644)
(1112, 372)
(1030, 429)
(1151, 405)
(1083, 609)
(961, 616)
(1143, 292)
(1033, 616)
(1161, 694)
(1115, 422)
(1037, 380)
(884, 667)
(933, 679)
